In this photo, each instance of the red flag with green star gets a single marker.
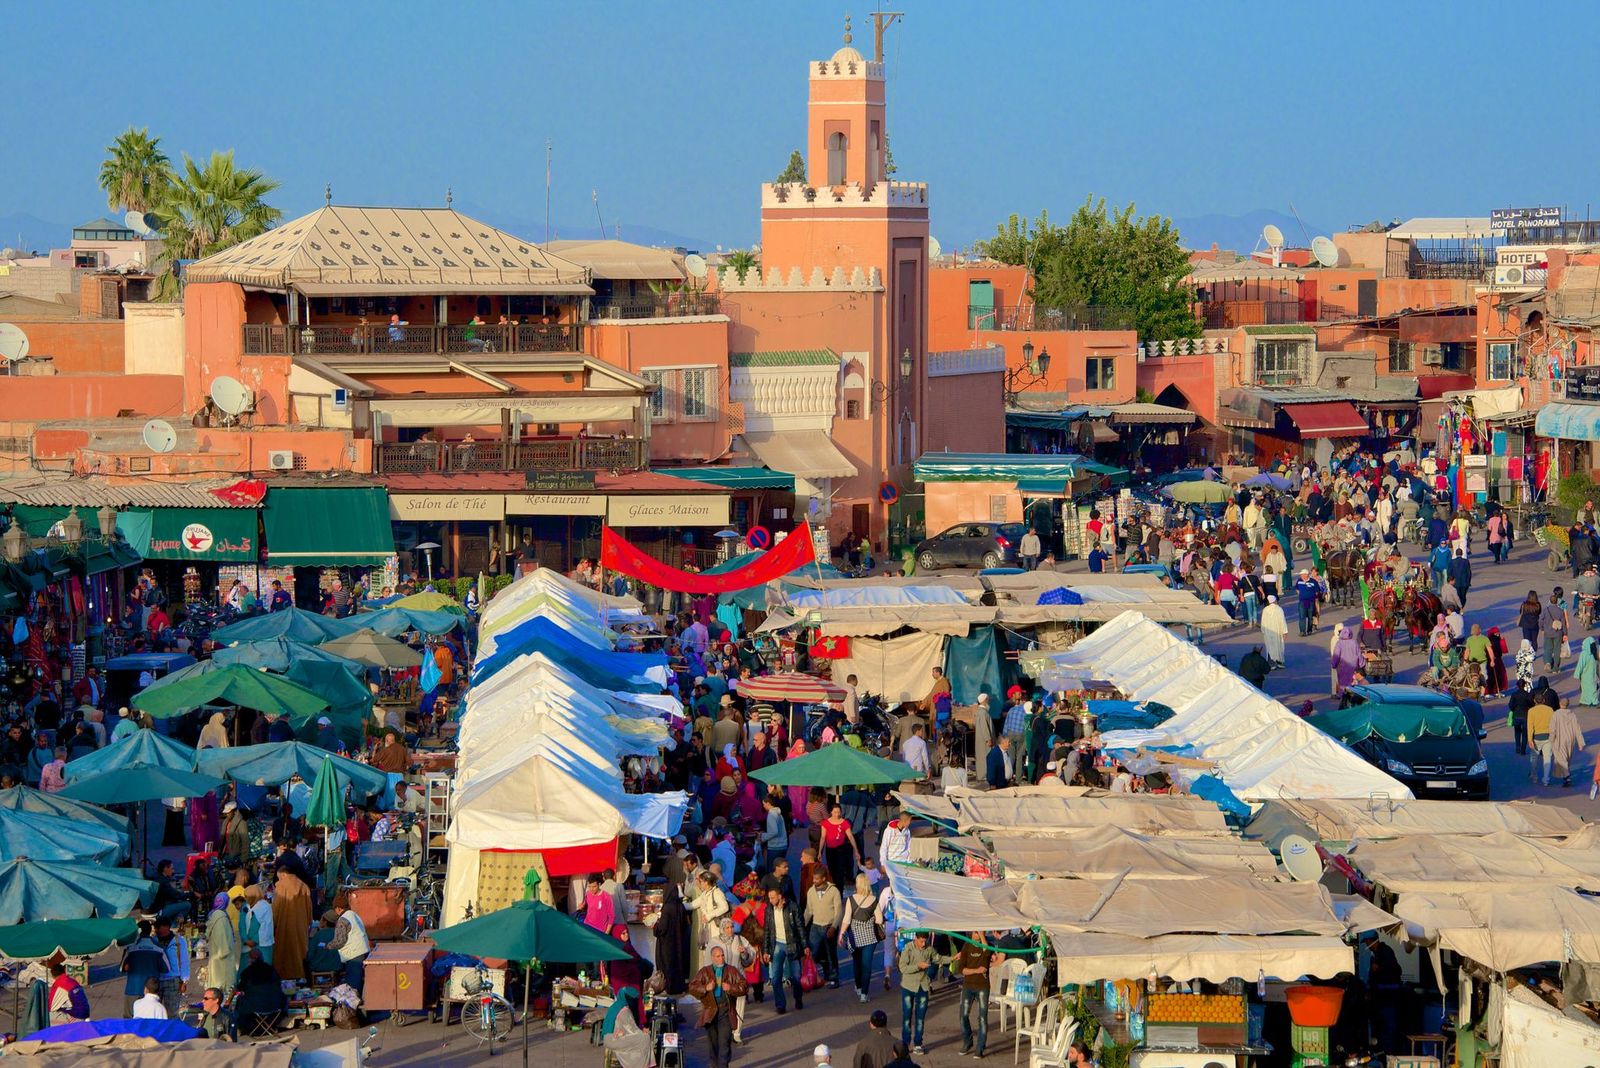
(830, 647)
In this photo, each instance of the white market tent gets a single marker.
(1261, 749)
(1106, 852)
(1341, 820)
(580, 610)
(1504, 929)
(1453, 863)
(1042, 813)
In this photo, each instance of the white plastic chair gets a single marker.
(1055, 1054)
(1041, 1029)
(1000, 979)
(1008, 1000)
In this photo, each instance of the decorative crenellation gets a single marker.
(884, 194)
(859, 280)
(847, 63)
(990, 359)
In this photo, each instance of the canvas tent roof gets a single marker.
(1237, 905)
(542, 588)
(1088, 957)
(1456, 862)
(1506, 929)
(609, 258)
(341, 249)
(940, 901)
(1339, 820)
(1046, 814)
(1104, 852)
(1261, 748)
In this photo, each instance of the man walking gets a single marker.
(1307, 590)
(785, 942)
(1461, 575)
(717, 986)
(878, 1048)
(916, 972)
(1028, 549)
(972, 964)
(1553, 622)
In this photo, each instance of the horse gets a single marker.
(1344, 568)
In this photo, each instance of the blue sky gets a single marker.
(674, 113)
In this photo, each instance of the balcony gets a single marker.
(1469, 263)
(1036, 317)
(662, 306)
(264, 339)
(1228, 314)
(537, 454)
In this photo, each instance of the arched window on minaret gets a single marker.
(837, 144)
(874, 156)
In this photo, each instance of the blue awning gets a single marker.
(1574, 422)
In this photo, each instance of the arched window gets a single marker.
(836, 150)
(874, 154)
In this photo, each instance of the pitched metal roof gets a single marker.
(96, 491)
(785, 358)
(351, 249)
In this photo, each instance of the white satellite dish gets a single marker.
(695, 265)
(1325, 251)
(1272, 236)
(230, 395)
(1300, 859)
(13, 343)
(934, 248)
(140, 223)
(159, 436)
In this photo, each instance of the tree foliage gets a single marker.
(794, 172)
(136, 174)
(1105, 259)
(742, 262)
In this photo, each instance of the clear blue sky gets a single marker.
(674, 113)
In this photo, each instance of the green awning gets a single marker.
(333, 527)
(738, 478)
(1042, 487)
(1042, 420)
(98, 556)
(37, 519)
(229, 534)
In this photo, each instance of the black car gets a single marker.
(1424, 739)
(972, 545)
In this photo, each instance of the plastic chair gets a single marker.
(1000, 979)
(1041, 1029)
(1008, 1000)
(1055, 1054)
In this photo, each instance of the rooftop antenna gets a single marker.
(231, 396)
(594, 194)
(547, 190)
(694, 265)
(159, 436)
(1274, 241)
(139, 223)
(881, 20)
(1303, 231)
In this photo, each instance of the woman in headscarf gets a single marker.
(214, 735)
(222, 946)
(1440, 641)
(747, 802)
(629, 974)
(1274, 629)
(672, 940)
(1347, 660)
(292, 912)
(728, 762)
(798, 794)
(256, 922)
(1586, 672)
(1525, 659)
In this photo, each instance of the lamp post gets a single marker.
(1035, 366)
(107, 517)
(72, 527)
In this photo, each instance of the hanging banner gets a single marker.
(616, 554)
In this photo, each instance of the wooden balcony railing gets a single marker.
(265, 339)
(539, 454)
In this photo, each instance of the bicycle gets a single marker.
(493, 1017)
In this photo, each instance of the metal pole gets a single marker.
(527, 982)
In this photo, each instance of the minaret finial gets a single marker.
(327, 194)
(449, 197)
(847, 36)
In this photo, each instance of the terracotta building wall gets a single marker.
(642, 346)
(77, 346)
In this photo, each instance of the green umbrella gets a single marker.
(1201, 492)
(36, 890)
(327, 799)
(130, 785)
(430, 601)
(836, 765)
(233, 685)
(529, 931)
(74, 938)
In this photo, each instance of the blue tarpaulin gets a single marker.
(296, 624)
(598, 667)
(971, 666)
(277, 654)
(1060, 595)
(41, 836)
(1216, 791)
(1127, 715)
(83, 1030)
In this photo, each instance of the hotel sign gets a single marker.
(433, 507)
(1523, 218)
(555, 504)
(688, 510)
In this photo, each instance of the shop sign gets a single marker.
(558, 481)
(217, 534)
(685, 511)
(425, 507)
(1475, 459)
(555, 504)
(1583, 383)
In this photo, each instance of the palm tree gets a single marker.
(742, 262)
(210, 208)
(136, 173)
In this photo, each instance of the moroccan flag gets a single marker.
(794, 551)
(830, 647)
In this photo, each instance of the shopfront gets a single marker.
(324, 532)
(465, 527)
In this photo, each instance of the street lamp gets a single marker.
(1034, 365)
(107, 517)
(72, 527)
(906, 366)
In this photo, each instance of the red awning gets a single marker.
(1430, 387)
(1328, 419)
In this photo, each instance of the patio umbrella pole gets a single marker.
(527, 983)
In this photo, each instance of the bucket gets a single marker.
(1314, 1006)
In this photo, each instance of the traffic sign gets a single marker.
(759, 538)
(888, 493)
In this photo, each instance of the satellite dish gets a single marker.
(695, 265)
(138, 222)
(1300, 858)
(1272, 236)
(13, 343)
(934, 248)
(230, 395)
(1326, 252)
(159, 436)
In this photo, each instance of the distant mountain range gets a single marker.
(29, 233)
(1243, 232)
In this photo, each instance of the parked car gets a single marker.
(1425, 739)
(972, 545)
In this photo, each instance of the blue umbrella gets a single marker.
(141, 749)
(83, 1030)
